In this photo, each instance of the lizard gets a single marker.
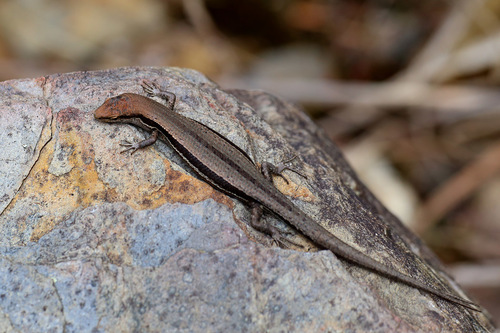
(229, 169)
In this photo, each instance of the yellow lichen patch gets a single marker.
(292, 189)
(68, 176)
(146, 179)
(55, 195)
(178, 187)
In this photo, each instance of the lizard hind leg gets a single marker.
(276, 235)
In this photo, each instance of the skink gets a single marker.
(229, 169)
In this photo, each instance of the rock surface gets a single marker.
(97, 241)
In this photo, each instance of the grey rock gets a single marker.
(95, 241)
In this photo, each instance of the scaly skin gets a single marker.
(229, 169)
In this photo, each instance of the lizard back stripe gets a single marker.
(204, 171)
(256, 180)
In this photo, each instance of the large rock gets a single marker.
(96, 241)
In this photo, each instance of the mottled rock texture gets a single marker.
(96, 241)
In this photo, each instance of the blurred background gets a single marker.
(407, 88)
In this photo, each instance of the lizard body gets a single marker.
(229, 169)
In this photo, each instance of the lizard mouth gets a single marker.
(102, 113)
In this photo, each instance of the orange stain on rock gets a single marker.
(66, 178)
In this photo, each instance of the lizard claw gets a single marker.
(150, 88)
(269, 169)
(153, 90)
(282, 167)
(129, 146)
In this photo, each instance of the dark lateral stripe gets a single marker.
(209, 175)
(223, 138)
(206, 173)
(227, 159)
(282, 200)
(213, 149)
(224, 157)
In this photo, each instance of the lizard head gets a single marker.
(114, 108)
